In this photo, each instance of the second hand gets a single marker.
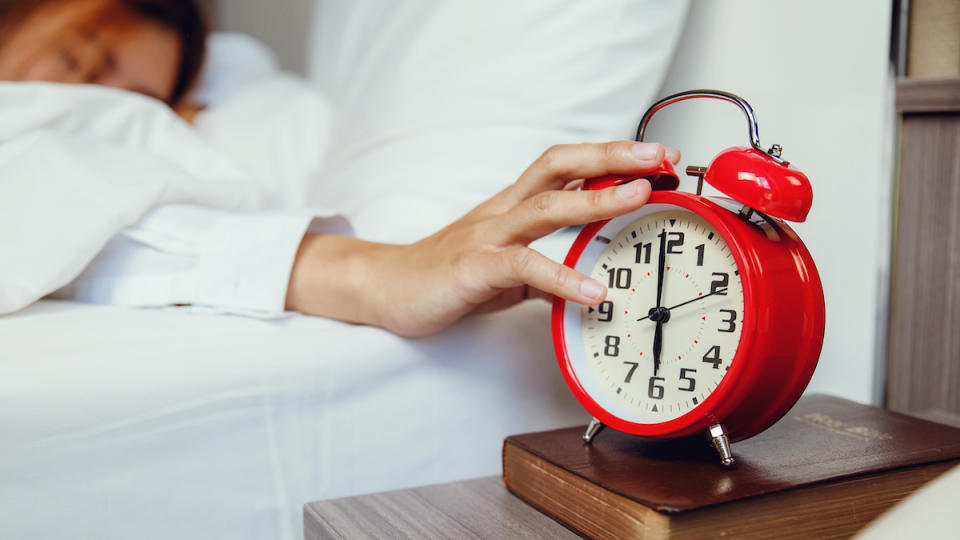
(718, 291)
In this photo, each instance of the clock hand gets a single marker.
(658, 333)
(657, 345)
(652, 312)
(718, 291)
(661, 315)
(660, 265)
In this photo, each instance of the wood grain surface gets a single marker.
(928, 95)
(480, 508)
(924, 333)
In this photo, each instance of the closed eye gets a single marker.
(68, 59)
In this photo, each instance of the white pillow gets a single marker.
(275, 126)
(441, 104)
(234, 61)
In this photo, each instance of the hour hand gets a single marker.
(657, 346)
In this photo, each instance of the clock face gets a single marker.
(656, 360)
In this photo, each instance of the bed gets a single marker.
(120, 422)
(160, 423)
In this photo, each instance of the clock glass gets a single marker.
(664, 337)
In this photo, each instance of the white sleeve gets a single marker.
(202, 259)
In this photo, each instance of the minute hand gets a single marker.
(718, 291)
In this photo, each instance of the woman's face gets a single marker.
(92, 41)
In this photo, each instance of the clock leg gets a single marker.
(718, 436)
(594, 428)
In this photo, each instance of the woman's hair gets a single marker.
(185, 17)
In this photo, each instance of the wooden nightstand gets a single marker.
(924, 360)
(480, 508)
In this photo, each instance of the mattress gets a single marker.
(120, 423)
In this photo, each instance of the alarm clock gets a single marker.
(714, 316)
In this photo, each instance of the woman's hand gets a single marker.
(480, 262)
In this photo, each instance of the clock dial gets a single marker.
(664, 337)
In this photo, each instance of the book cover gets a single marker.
(824, 450)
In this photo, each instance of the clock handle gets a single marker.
(754, 132)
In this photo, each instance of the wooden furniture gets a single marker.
(924, 332)
(480, 508)
(932, 46)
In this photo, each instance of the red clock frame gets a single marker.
(780, 340)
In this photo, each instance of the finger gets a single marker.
(564, 163)
(505, 299)
(511, 297)
(573, 186)
(673, 155)
(504, 201)
(517, 266)
(542, 214)
(534, 293)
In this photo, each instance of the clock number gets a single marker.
(619, 278)
(731, 324)
(633, 367)
(713, 357)
(643, 252)
(700, 249)
(674, 244)
(654, 390)
(691, 380)
(606, 310)
(612, 346)
(721, 283)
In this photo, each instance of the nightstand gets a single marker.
(479, 508)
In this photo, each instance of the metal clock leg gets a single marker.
(592, 429)
(718, 436)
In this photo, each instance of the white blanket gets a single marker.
(156, 424)
(78, 164)
(120, 423)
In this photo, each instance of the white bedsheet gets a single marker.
(122, 423)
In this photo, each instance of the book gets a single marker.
(825, 470)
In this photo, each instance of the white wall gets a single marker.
(284, 25)
(815, 73)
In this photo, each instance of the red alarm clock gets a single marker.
(714, 315)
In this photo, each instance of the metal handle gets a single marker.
(774, 150)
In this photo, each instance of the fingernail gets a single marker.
(628, 190)
(592, 288)
(645, 151)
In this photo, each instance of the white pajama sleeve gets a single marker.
(202, 259)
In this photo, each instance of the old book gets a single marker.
(823, 471)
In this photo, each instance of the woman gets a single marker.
(480, 262)
(155, 47)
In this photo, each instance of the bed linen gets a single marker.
(176, 425)
(157, 423)
(80, 164)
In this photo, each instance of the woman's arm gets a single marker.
(480, 262)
